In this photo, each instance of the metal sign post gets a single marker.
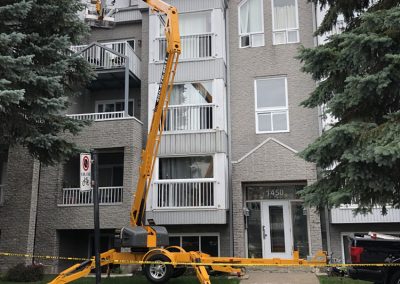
(95, 184)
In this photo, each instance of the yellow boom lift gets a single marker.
(149, 243)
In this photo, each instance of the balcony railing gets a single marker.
(193, 46)
(193, 193)
(345, 215)
(1, 194)
(190, 117)
(110, 55)
(107, 195)
(99, 116)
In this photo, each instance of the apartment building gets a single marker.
(227, 173)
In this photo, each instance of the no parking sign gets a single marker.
(86, 171)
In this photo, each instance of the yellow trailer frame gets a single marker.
(179, 257)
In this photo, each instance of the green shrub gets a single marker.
(25, 273)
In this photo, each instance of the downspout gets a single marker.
(228, 114)
(126, 107)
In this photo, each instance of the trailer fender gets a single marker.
(160, 251)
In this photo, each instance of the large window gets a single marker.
(285, 21)
(186, 168)
(192, 24)
(196, 36)
(205, 243)
(192, 93)
(251, 23)
(114, 106)
(191, 107)
(271, 105)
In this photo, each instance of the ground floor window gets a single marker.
(205, 243)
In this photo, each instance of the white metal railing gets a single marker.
(194, 193)
(345, 215)
(1, 194)
(190, 117)
(193, 46)
(102, 58)
(99, 116)
(107, 195)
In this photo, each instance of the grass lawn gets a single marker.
(340, 280)
(137, 279)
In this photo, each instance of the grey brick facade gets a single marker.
(254, 159)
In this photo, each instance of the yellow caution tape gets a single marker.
(116, 261)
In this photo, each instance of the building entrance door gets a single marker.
(276, 229)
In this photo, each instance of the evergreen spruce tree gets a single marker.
(38, 75)
(359, 85)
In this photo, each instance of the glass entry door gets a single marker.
(276, 229)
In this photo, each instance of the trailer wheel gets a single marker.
(158, 273)
(395, 278)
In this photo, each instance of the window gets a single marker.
(285, 21)
(196, 36)
(114, 106)
(192, 24)
(271, 105)
(111, 169)
(205, 243)
(191, 107)
(251, 23)
(192, 93)
(186, 168)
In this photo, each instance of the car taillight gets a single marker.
(356, 254)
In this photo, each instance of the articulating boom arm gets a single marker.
(149, 154)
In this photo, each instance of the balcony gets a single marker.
(111, 57)
(1, 194)
(184, 194)
(190, 118)
(345, 215)
(100, 116)
(194, 47)
(107, 195)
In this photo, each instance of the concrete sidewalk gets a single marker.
(265, 277)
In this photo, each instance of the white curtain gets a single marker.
(244, 18)
(195, 23)
(251, 17)
(186, 168)
(285, 14)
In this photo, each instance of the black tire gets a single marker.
(395, 279)
(178, 271)
(158, 273)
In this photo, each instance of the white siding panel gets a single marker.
(128, 15)
(192, 71)
(187, 217)
(193, 143)
(346, 216)
(196, 5)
